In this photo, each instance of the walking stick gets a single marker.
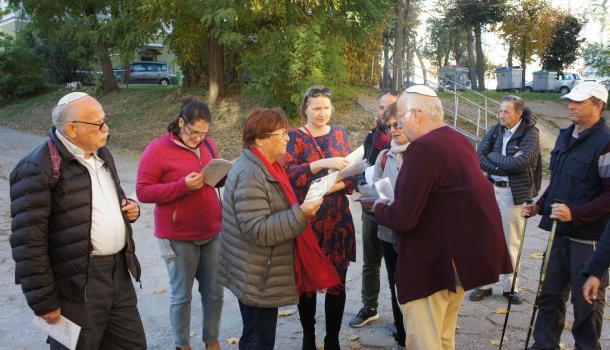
(515, 275)
(545, 265)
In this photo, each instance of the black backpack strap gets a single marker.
(209, 147)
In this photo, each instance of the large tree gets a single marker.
(562, 49)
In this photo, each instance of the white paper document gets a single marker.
(368, 174)
(215, 170)
(321, 186)
(355, 156)
(385, 189)
(64, 331)
(368, 193)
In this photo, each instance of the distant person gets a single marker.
(71, 238)
(260, 223)
(313, 150)
(187, 219)
(596, 268)
(578, 197)
(377, 140)
(447, 223)
(388, 164)
(510, 155)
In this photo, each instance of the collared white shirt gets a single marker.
(107, 225)
(508, 133)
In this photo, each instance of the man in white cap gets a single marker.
(447, 223)
(578, 197)
(71, 235)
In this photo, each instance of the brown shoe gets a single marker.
(213, 345)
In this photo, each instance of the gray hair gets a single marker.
(60, 117)
(430, 106)
(518, 102)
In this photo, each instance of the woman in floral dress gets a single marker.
(313, 150)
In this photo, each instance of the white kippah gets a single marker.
(71, 97)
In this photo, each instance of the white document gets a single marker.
(64, 331)
(355, 156)
(353, 169)
(368, 193)
(320, 187)
(368, 174)
(385, 189)
(215, 170)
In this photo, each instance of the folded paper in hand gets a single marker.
(385, 189)
(368, 193)
(64, 331)
(321, 186)
(216, 170)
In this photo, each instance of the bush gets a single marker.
(21, 68)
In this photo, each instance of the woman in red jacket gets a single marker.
(187, 218)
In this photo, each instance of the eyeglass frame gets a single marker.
(196, 133)
(283, 133)
(396, 125)
(99, 126)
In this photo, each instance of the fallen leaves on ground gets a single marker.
(495, 342)
(348, 280)
(355, 345)
(537, 255)
(501, 311)
(286, 313)
(193, 333)
(354, 337)
(233, 341)
(159, 291)
(567, 326)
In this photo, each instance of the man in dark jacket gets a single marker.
(71, 235)
(510, 155)
(439, 210)
(578, 197)
(372, 251)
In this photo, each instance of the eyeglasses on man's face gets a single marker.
(100, 126)
(192, 132)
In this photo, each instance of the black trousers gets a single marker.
(259, 325)
(563, 277)
(109, 319)
(390, 255)
(333, 311)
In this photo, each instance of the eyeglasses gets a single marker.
(100, 126)
(395, 125)
(278, 133)
(316, 91)
(201, 134)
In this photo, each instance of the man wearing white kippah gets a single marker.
(71, 231)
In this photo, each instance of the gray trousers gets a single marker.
(109, 319)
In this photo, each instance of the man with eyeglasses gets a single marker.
(71, 238)
(510, 156)
(375, 141)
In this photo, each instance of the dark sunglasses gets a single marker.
(315, 92)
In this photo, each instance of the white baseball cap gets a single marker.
(421, 90)
(71, 97)
(586, 90)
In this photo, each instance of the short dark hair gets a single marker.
(390, 112)
(596, 100)
(191, 111)
(518, 102)
(313, 91)
(262, 121)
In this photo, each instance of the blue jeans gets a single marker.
(259, 327)
(190, 261)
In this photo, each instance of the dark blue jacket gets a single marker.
(575, 179)
(600, 260)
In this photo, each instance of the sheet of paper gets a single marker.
(320, 187)
(64, 331)
(385, 189)
(215, 170)
(356, 155)
(368, 193)
(368, 174)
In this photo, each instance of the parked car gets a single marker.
(529, 86)
(146, 72)
(564, 83)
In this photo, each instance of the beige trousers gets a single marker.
(430, 322)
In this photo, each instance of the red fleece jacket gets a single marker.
(179, 213)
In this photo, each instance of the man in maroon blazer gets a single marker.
(449, 229)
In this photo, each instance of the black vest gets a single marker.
(575, 178)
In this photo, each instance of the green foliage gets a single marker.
(562, 51)
(597, 57)
(21, 69)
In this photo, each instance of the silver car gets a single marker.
(146, 72)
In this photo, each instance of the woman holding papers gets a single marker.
(266, 239)
(313, 151)
(387, 165)
(187, 218)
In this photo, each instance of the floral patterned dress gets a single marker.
(332, 223)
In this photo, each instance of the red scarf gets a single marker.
(313, 270)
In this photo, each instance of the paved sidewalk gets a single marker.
(478, 322)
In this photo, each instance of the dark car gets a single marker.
(146, 72)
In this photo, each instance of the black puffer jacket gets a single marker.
(51, 227)
(524, 171)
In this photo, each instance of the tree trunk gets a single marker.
(480, 58)
(103, 55)
(127, 72)
(471, 59)
(399, 45)
(523, 57)
(216, 71)
(509, 59)
(385, 78)
(422, 65)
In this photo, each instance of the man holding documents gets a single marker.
(71, 235)
(187, 217)
(442, 204)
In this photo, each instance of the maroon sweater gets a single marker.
(444, 210)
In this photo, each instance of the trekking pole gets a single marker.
(545, 264)
(515, 275)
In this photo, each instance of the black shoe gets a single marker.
(364, 316)
(517, 298)
(479, 294)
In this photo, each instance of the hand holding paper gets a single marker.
(320, 187)
(64, 331)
